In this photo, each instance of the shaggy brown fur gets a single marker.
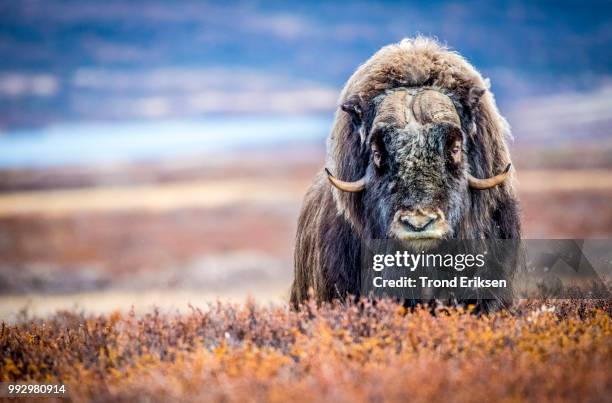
(332, 223)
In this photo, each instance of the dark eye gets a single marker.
(455, 152)
(377, 157)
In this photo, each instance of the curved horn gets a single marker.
(356, 186)
(488, 183)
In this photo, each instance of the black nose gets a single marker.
(416, 222)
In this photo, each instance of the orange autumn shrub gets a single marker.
(545, 351)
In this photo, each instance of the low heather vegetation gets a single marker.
(544, 351)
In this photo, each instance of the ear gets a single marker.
(353, 106)
(475, 94)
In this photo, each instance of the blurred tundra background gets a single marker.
(157, 152)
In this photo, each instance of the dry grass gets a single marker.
(214, 193)
(157, 197)
(559, 351)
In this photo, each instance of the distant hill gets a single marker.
(123, 60)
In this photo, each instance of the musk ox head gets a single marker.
(417, 177)
(418, 149)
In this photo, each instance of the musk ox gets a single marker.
(417, 152)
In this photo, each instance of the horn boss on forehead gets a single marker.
(431, 106)
(428, 106)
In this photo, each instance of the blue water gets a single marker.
(94, 143)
